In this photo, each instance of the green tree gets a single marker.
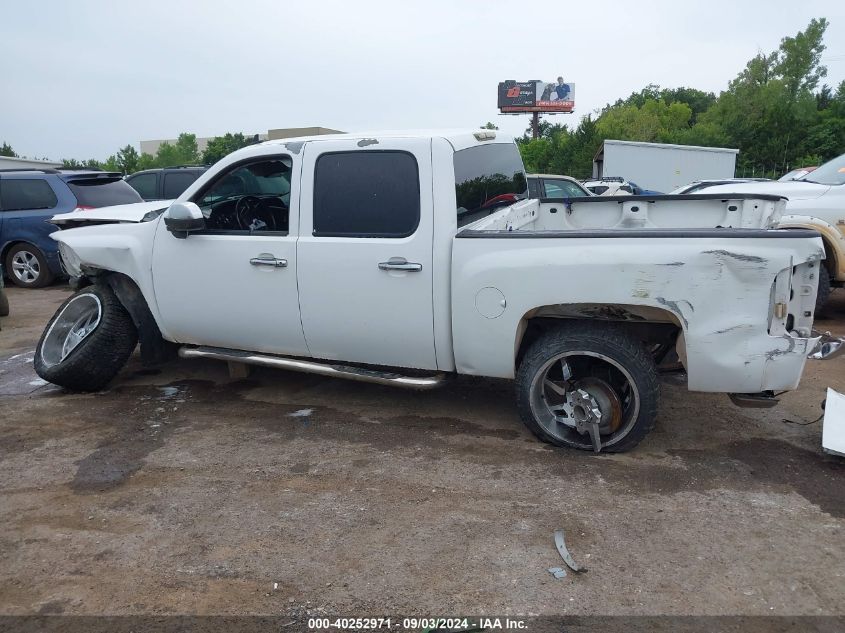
(489, 126)
(127, 159)
(220, 146)
(111, 164)
(6, 150)
(186, 149)
(146, 161)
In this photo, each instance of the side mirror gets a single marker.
(183, 218)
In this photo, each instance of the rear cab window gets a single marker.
(487, 177)
(102, 192)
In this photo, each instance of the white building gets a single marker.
(663, 167)
(9, 162)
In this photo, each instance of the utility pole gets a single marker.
(535, 125)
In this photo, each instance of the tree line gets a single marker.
(184, 151)
(776, 112)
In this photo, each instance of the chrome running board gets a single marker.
(312, 367)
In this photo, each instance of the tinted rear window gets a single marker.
(366, 194)
(487, 177)
(176, 182)
(144, 184)
(102, 192)
(26, 194)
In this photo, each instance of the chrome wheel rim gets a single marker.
(569, 383)
(77, 320)
(25, 267)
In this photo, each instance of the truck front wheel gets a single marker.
(87, 341)
(589, 386)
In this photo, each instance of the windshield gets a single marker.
(831, 173)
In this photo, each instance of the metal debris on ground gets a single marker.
(564, 553)
(557, 572)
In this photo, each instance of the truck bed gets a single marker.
(718, 286)
(749, 211)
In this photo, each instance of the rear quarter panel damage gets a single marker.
(719, 291)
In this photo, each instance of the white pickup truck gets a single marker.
(402, 258)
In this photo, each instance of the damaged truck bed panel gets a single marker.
(714, 289)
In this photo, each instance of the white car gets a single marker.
(609, 187)
(698, 186)
(817, 202)
(403, 258)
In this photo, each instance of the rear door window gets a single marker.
(145, 185)
(366, 194)
(175, 183)
(102, 192)
(16, 195)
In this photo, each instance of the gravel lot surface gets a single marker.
(181, 491)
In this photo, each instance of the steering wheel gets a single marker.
(253, 216)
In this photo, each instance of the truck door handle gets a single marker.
(400, 263)
(268, 260)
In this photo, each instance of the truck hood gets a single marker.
(120, 213)
(794, 190)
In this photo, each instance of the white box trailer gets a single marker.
(660, 166)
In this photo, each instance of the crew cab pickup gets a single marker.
(403, 258)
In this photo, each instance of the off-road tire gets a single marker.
(602, 338)
(45, 275)
(823, 294)
(97, 359)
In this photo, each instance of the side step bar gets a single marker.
(311, 367)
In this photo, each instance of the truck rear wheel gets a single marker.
(824, 290)
(87, 341)
(588, 386)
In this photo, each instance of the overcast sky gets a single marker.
(81, 79)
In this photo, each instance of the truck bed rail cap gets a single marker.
(726, 233)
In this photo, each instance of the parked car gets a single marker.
(553, 186)
(816, 201)
(29, 198)
(616, 186)
(379, 258)
(796, 174)
(166, 183)
(697, 186)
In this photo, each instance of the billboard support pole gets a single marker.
(535, 125)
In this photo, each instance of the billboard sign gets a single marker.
(536, 96)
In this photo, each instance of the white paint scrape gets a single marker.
(302, 413)
(833, 427)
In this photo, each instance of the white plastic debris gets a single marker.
(833, 426)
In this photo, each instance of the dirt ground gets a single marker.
(182, 491)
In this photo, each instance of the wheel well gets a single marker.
(154, 349)
(829, 257)
(10, 246)
(658, 328)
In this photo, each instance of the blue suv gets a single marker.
(29, 198)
